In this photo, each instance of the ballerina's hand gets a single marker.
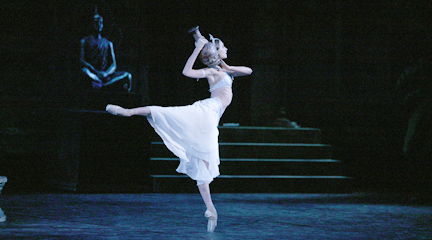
(226, 67)
(200, 42)
(223, 64)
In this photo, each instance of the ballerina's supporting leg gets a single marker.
(117, 110)
(210, 213)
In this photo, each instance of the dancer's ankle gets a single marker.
(117, 110)
(211, 208)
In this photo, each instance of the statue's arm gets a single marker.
(113, 66)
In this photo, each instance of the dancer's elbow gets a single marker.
(186, 73)
(189, 73)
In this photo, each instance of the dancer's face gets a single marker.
(222, 51)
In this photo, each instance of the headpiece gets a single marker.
(213, 40)
(96, 14)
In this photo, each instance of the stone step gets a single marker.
(269, 135)
(260, 150)
(305, 167)
(255, 184)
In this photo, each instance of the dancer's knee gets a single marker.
(200, 182)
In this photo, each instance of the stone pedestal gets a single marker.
(3, 181)
(99, 152)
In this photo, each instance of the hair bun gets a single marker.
(209, 55)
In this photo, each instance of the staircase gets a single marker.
(258, 160)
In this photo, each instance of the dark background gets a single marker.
(333, 65)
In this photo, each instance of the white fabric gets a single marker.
(226, 81)
(191, 133)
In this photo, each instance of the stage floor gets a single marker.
(241, 216)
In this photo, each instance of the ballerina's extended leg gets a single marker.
(117, 110)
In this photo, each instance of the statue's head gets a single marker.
(97, 21)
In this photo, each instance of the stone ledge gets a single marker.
(3, 181)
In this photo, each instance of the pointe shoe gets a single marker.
(117, 110)
(212, 220)
(113, 109)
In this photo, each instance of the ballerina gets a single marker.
(191, 132)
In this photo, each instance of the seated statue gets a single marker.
(98, 62)
(283, 121)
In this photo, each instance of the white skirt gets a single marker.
(191, 133)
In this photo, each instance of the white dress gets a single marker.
(191, 133)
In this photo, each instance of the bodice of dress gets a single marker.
(226, 81)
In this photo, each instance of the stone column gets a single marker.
(3, 181)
